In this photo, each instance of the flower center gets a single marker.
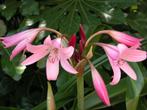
(53, 56)
(121, 62)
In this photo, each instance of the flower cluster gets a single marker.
(53, 48)
(127, 50)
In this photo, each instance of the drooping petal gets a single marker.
(16, 38)
(111, 50)
(72, 41)
(116, 72)
(65, 64)
(34, 58)
(123, 38)
(37, 48)
(66, 52)
(52, 69)
(19, 48)
(128, 70)
(99, 85)
(48, 41)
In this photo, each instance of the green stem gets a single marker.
(50, 98)
(80, 92)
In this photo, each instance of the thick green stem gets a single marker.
(80, 92)
(50, 98)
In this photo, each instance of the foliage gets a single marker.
(25, 89)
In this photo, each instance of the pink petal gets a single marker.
(131, 54)
(56, 42)
(66, 52)
(122, 48)
(52, 69)
(37, 48)
(65, 64)
(48, 41)
(134, 55)
(20, 47)
(128, 70)
(111, 51)
(99, 85)
(116, 72)
(34, 58)
(16, 38)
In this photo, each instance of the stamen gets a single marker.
(121, 62)
(53, 56)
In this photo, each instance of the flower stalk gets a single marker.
(53, 30)
(120, 37)
(80, 84)
(50, 98)
(80, 92)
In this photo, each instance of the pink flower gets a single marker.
(20, 39)
(118, 57)
(55, 52)
(99, 85)
(123, 38)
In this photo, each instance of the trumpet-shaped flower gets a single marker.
(56, 53)
(20, 39)
(123, 38)
(118, 57)
(99, 85)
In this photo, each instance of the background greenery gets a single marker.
(25, 89)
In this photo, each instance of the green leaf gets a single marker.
(142, 104)
(139, 23)
(30, 7)
(63, 78)
(70, 23)
(3, 28)
(9, 9)
(6, 86)
(123, 3)
(41, 106)
(114, 16)
(69, 14)
(8, 108)
(41, 63)
(11, 68)
(67, 17)
(134, 89)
